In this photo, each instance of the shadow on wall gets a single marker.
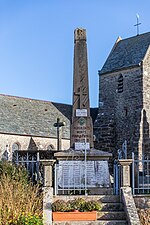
(146, 137)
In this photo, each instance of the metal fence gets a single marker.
(117, 173)
(141, 175)
(30, 159)
(70, 178)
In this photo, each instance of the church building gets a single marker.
(124, 97)
(123, 113)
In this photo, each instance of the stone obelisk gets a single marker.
(81, 127)
(81, 168)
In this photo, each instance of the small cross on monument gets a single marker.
(137, 24)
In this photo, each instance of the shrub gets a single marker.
(59, 206)
(16, 173)
(18, 197)
(30, 220)
(93, 205)
(77, 204)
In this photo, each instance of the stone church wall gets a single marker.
(29, 143)
(146, 104)
(120, 113)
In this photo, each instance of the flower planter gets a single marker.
(74, 216)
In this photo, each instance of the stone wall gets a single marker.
(146, 105)
(25, 142)
(120, 112)
(142, 202)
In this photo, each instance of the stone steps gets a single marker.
(104, 198)
(112, 212)
(112, 206)
(113, 215)
(106, 222)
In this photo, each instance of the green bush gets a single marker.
(14, 172)
(59, 206)
(93, 205)
(29, 220)
(79, 204)
(26, 220)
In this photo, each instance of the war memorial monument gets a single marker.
(81, 168)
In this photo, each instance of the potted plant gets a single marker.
(75, 210)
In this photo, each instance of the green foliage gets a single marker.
(13, 172)
(29, 220)
(26, 220)
(59, 206)
(79, 204)
(93, 205)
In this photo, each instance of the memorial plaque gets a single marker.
(72, 174)
(81, 112)
(82, 146)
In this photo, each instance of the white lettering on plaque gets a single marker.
(72, 174)
(81, 112)
(82, 146)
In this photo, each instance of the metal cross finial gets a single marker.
(137, 24)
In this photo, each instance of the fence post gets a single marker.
(126, 193)
(125, 172)
(47, 191)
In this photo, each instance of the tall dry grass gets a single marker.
(144, 215)
(17, 198)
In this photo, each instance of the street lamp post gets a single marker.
(58, 124)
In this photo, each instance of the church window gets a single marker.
(50, 147)
(120, 84)
(15, 147)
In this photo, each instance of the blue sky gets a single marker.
(36, 42)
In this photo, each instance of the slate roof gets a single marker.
(127, 53)
(32, 117)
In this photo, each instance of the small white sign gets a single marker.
(82, 146)
(81, 112)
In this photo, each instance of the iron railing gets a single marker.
(141, 175)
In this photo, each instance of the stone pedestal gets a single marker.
(78, 170)
(47, 191)
(125, 172)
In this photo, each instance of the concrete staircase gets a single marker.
(112, 212)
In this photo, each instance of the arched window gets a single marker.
(50, 147)
(15, 147)
(120, 84)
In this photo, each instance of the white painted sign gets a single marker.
(81, 112)
(82, 146)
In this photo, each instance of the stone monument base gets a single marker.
(78, 170)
